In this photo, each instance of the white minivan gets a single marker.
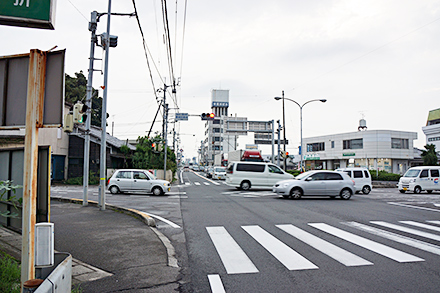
(361, 178)
(245, 175)
(420, 178)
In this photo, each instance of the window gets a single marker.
(357, 174)
(274, 169)
(216, 138)
(333, 176)
(216, 130)
(424, 173)
(348, 173)
(124, 175)
(315, 147)
(317, 176)
(434, 173)
(333, 144)
(251, 167)
(434, 138)
(216, 121)
(140, 175)
(399, 143)
(353, 144)
(367, 174)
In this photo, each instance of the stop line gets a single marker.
(237, 261)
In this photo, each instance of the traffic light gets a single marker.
(113, 40)
(68, 123)
(207, 116)
(79, 109)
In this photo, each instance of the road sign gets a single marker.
(28, 13)
(181, 116)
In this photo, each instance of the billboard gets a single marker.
(28, 13)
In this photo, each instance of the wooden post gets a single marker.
(34, 121)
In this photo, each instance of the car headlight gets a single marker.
(412, 180)
(165, 184)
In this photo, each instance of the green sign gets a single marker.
(28, 13)
(349, 155)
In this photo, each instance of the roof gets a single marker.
(111, 140)
(433, 115)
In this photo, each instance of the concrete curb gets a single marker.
(144, 217)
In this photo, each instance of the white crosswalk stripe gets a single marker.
(286, 255)
(206, 183)
(197, 183)
(381, 249)
(407, 230)
(421, 225)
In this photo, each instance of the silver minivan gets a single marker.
(245, 175)
(361, 178)
(134, 180)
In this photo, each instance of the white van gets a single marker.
(420, 178)
(361, 178)
(245, 175)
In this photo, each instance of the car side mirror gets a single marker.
(309, 179)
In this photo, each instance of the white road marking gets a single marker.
(434, 222)
(233, 257)
(396, 237)
(206, 183)
(335, 252)
(413, 207)
(216, 284)
(187, 183)
(407, 230)
(164, 220)
(421, 225)
(286, 255)
(197, 183)
(381, 249)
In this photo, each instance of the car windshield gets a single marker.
(302, 175)
(412, 173)
(151, 175)
(220, 170)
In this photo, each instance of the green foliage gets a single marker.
(125, 150)
(294, 172)
(384, 176)
(6, 186)
(430, 156)
(145, 158)
(93, 180)
(9, 274)
(76, 88)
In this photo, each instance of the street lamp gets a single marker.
(300, 111)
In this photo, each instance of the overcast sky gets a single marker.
(377, 59)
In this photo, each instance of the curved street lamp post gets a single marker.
(300, 113)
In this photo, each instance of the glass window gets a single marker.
(434, 173)
(412, 173)
(318, 177)
(124, 175)
(333, 144)
(367, 174)
(250, 167)
(274, 169)
(399, 143)
(357, 174)
(348, 173)
(316, 147)
(333, 176)
(353, 144)
(424, 174)
(140, 175)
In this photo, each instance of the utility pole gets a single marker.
(103, 175)
(166, 140)
(284, 134)
(279, 138)
(92, 28)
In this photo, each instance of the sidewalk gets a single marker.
(112, 251)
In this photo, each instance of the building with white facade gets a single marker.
(387, 150)
(432, 129)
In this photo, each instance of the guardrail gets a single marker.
(57, 278)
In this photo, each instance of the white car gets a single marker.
(219, 173)
(327, 183)
(134, 180)
(361, 177)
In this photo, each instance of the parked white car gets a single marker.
(134, 180)
(361, 177)
(219, 173)
(246, 175)
(420, 178)
(320, 182)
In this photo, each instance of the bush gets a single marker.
(384, 176)
(93, 180)
(10, 274)
(294, 172)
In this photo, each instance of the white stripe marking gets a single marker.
(163, 220)
(233, 257)
(421, 225)
(414, 207)
(407, 230)
(216, 284)
(347, 258)
(434, 222)
(216, 183)
(206, 183)
(381, 249)
(286, 255)
(197, 183)
(187, 183)
(398, 238)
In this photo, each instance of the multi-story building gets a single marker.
(387, 150)
(432, 129)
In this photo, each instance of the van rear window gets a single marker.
(250, 167)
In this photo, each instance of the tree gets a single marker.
(76, 90)
(144, 156)
(430, 156)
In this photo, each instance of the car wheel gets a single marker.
(429, 191)
(366, 189)
(402, 191)
(345, 194)
(114, 189)
(296, 193)
(245, 185)
(417, 189)
(157, 191)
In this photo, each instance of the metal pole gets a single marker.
(166, 143)
(273, 141)
(34, 121)
(92, 28)
(279, 138)
(284, 133)
(103, 159)
(301, 126)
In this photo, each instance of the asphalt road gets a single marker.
(256, 241)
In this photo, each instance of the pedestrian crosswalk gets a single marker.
(237, 261)
(204, 183)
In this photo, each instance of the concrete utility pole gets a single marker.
(284, 134)
(92, 28)
(166, 143)
(102, 161)
(279, 138)
(273, 141)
